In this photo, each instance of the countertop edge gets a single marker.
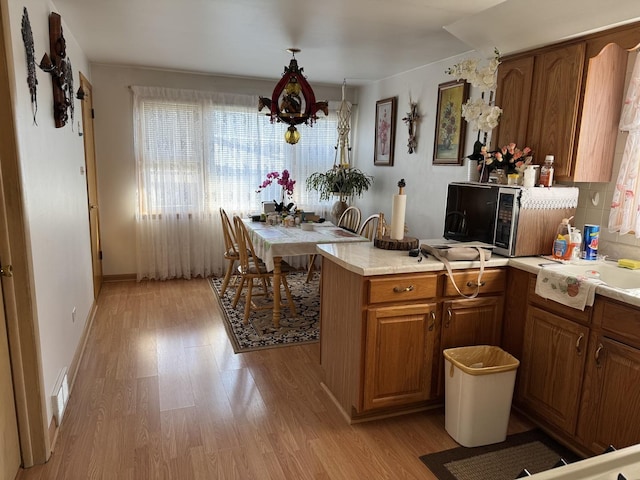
(366, 260)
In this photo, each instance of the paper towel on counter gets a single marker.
(397, 216)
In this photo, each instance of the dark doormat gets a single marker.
(533, 450)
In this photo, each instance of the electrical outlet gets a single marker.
(73, 315)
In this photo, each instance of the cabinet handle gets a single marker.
(600, 347)
(405, 289)
(446, 324)
(432, 314)
(476, 284)
(578, 349)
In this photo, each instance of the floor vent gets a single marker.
(60, 396)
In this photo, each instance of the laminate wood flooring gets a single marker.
(161, 395)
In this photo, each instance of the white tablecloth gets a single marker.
(279, 241)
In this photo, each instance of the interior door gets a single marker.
(92, 184)
(9, 441)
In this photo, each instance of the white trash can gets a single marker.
(479, 384)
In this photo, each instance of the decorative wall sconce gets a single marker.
(59, 66)
(293, 101)
(411, 120)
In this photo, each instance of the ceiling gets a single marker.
(361, 41)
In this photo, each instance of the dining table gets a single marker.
(272, 242)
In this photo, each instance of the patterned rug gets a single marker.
(260, 333)
(532, 450)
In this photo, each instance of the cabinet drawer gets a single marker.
(493, 281)
(403, 288)
(621, 322)
(582, 316)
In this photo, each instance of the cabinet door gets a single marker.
(552, 367)
(399, 354)
(472, 321)
(513, 95)
(469, 321)
(610, 413)
(553, 113)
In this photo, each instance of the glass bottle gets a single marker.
(546, 172)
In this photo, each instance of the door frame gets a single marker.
(92, 184)
(22, 327)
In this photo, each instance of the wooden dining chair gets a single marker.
(350, 220)
(369, 226)
(251, 269)
(231, 253)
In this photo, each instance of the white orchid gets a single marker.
(481, 114)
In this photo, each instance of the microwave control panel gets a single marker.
(505, 220)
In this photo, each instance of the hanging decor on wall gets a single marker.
(412, 118)
(385, 131)
(293, 101)
(59, 66)
(32, 81)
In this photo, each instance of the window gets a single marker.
(199, 151)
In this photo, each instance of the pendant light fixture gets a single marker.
(293, 101)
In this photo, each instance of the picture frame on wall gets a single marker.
(385, 131)
(449, 140)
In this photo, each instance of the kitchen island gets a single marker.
(387, 316)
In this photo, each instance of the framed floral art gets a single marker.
(448, 146)
(385, 131)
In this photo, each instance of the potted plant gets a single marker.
(344, 182)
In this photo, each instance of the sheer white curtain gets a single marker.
(198, 151)
(625, 216)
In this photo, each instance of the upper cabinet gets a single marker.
(565, 100)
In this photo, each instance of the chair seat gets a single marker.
(261, 268)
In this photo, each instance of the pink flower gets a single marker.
(283, 179)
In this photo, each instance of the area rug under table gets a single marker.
(532, 450)
(260, 333)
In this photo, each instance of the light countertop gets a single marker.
(367, 260)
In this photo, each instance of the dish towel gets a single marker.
(571, 290)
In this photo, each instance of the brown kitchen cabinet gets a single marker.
(513, 95)
(610, 411)
(565, 100)
(399, 355)
(552, 367)
(471, 321)
(381, 344)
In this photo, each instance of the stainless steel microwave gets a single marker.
(491, 213)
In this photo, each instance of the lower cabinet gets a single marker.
(552, 367)
(381, 344)
(399, 352)
(472, 321)
(580, 370)
(610, 412)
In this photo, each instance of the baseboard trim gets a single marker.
(73, 368)
(119, 278)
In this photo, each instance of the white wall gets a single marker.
(114, 145)
(426, 188)
(55, 197)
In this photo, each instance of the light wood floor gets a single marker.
(161, 395)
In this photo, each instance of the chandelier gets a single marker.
(293, 101)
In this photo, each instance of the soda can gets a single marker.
(590, 242)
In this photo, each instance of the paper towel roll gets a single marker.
(397, 216)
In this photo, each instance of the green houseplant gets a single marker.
(343, 182)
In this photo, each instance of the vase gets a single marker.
(337, 210)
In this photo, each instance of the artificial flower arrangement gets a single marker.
(508, 158)
(283, 179)
(479, 113)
